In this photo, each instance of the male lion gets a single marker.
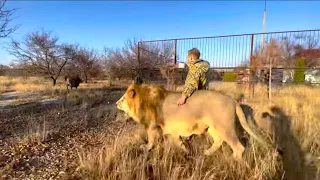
(211, 111)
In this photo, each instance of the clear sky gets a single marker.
(106, 23)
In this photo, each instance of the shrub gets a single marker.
(299, 73)
(229, 76)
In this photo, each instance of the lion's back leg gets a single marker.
(230, 137)
(216, 144)
(237, 147)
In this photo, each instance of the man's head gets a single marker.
(193, 55)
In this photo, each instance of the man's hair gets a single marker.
(194, 52)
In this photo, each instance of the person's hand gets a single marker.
(182, 100)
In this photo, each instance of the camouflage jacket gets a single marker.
(197, 77)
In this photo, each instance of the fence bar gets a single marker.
(251, 85)
(270, 79)
(175, 52)
(277, 32)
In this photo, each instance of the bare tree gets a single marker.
(5, 19)
(307, 41)
(3, 69)
(120, 64)
(170, 72)
(307, 46)
(156, 54)
(123, 62)
(86, 62)
(39, 52)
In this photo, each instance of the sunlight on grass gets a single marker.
(295, 131)
(298, 134)
(41, 84)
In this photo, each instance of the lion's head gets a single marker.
(142, 102)
(127, 100)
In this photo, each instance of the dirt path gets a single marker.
(41, 140)
(14, 99)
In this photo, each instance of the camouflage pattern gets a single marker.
(197, 77)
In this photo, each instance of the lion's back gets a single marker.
(203, 104)
(199, 99)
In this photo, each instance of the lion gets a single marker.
(206, 111)
(72, 81)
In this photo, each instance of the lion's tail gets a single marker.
(245, 124)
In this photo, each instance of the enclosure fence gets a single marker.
(286, 57)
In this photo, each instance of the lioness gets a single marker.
(211, 111)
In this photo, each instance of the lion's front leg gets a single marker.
(151, 139)
(141, 136)
(154, 133)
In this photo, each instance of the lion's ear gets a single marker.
(131, 93)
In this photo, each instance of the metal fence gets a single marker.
(246, 58)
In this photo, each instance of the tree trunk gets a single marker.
(54, 81)
(86, 79)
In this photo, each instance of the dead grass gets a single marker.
(295, 126)
(41, 84)
(124, 159)
(29, 84)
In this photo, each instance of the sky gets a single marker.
(98, 24)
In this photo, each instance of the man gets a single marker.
(197, 75)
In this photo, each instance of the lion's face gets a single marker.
(123, 102)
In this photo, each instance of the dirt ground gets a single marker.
(41, 139)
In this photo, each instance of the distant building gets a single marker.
(243, 74)
(287, 75)
(312, 76)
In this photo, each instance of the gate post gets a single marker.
(175, 51)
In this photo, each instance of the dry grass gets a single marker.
(124, 159)
(295, 126)
(29, 84)
(40, 84)
(295, 131)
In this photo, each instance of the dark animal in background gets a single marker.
(73, 81)
(138, 80)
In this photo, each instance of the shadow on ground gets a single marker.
(278, 125)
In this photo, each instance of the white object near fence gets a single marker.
(181, 65)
